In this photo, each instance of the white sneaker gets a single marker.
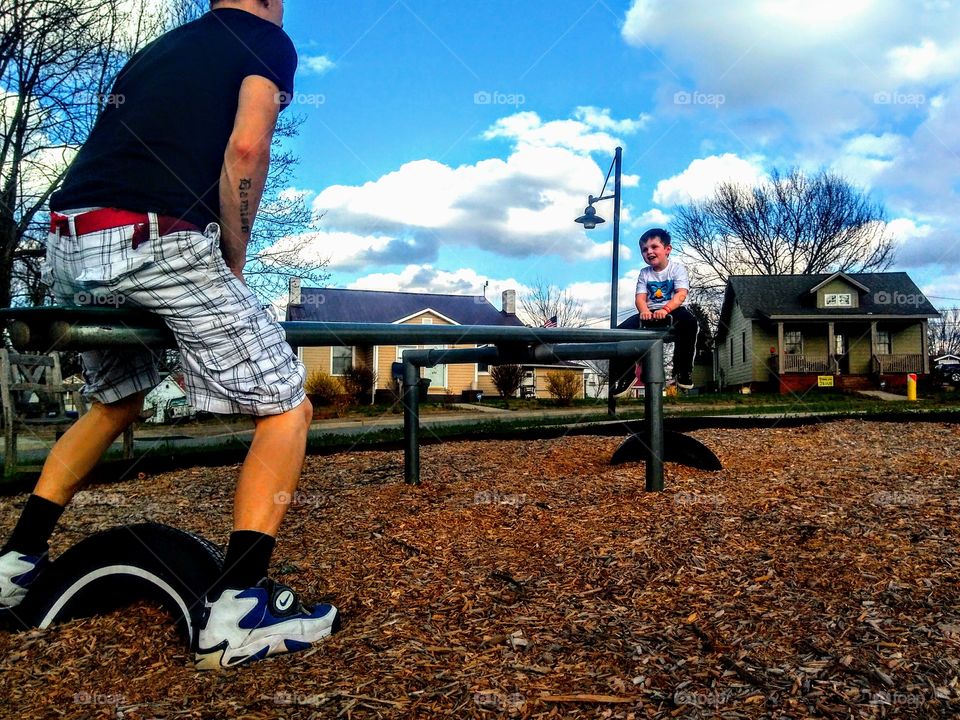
(268, 619)
(17, 573)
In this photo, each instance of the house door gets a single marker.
(438, 373)
(841, 353)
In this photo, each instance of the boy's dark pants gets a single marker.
(685, 328)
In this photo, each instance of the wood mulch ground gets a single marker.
(817, 575)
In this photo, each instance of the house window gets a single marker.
(744, 348)
(793, 343)
(401, 348)
(341, 359)
(837, 300)
(884, 342)
(426, 321)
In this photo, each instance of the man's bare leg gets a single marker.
(271, 471)
(76, 453)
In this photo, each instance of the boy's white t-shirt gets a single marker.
(661, 286)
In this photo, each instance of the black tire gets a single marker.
(117, 567)
(955, 378)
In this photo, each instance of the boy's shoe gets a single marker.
(623, 373)
(17, 573)
(268, 619)
(684, 381)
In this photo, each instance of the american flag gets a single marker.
(552, 322)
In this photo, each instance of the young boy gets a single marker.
(662, 294)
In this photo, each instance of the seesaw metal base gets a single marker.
(677, 447)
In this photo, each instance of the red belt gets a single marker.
(109, 218)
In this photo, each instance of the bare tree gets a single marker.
(58, 59)
(545, 301)
(944, 333)
(791, 223)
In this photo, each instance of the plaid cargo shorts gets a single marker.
(235, 355)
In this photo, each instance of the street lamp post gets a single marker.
(590, 220)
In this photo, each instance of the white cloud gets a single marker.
(588, 131)
(653, 218)
(427, 279)
(818, 63)
(521, 206)
(944, 292)
(316, 64)
(926, 61)
(342, 251)
(702, 176)
(865, 156)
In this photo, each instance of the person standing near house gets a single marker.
(157, 209)
(661, 297)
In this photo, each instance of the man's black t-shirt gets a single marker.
(159, 145)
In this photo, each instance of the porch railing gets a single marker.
(806, 363)
(895, 363)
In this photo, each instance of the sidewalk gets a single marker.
(150, 438)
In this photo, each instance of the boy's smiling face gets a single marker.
(655, 253)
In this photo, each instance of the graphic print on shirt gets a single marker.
(660, 290)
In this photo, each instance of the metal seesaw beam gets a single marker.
(69, 328)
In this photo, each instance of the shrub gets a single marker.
(507, 379)
(563, 385)
(358, 383)
(323, 388)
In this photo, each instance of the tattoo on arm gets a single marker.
(245, 185)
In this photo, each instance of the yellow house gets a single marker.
(375, 306)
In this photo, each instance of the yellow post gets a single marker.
(912, 386)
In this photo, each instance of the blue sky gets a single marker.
(453, 143)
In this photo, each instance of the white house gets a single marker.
(168, 402)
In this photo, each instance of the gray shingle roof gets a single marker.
(377, 306)
(890, 293)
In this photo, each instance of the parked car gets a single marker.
(949, 372)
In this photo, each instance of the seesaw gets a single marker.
(116, 567)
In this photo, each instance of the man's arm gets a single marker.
(245, 165)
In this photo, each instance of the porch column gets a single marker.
(780, 363)
(834, 368)
(873, 346)
(925, 348)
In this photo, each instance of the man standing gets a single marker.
(158, 208)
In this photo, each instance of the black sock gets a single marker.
(35, 526)
(248, 559)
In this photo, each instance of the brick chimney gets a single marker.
(509, 306)
(293, 296)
